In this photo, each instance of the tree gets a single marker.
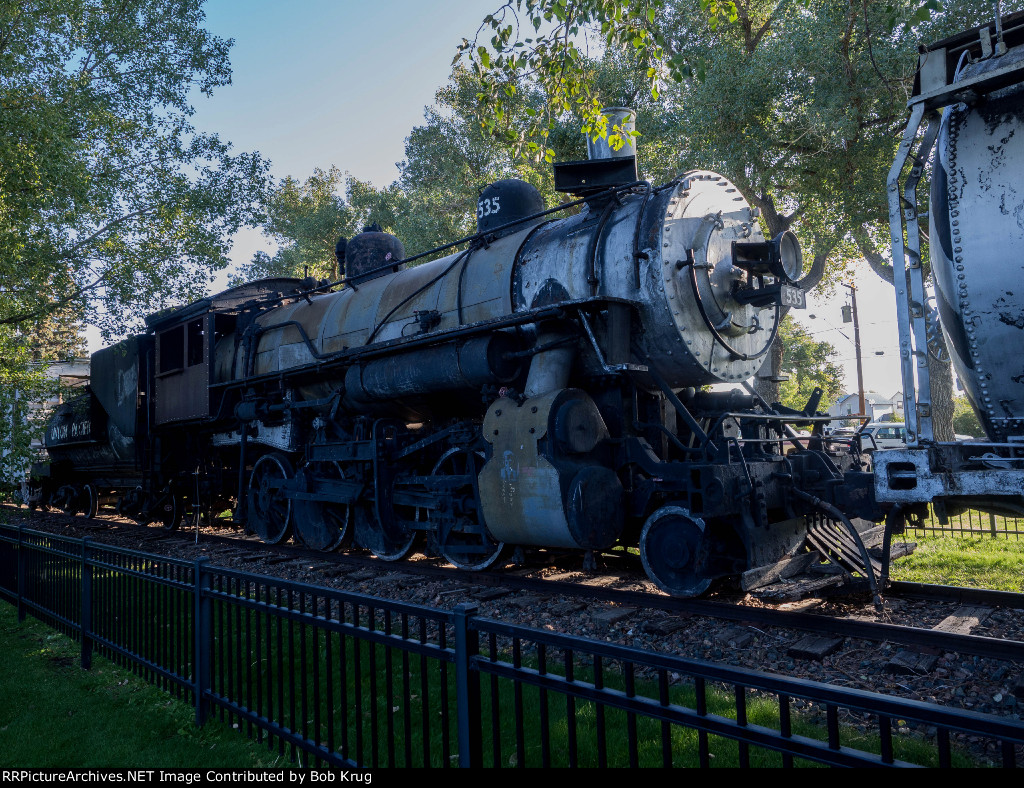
(111, 203)
(451, 157)
(809, 365)
(799, 102)
(448, 160)
(305, 219)
(544, 47)
(965, 420)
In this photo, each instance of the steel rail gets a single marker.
(959, 594)
(817, 623)
(908, 636)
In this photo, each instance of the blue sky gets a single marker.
(333, 82)
(318, 83)
(322, 83)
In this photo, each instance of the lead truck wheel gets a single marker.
(673, 551)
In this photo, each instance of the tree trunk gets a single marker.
(766, 381)
(940, 375)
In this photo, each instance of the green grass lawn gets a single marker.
(975, 562)
(54, 714)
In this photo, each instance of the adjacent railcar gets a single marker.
(966, 130)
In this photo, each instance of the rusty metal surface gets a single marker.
(182, 393)
(582, 256)
(519, 488)
(975, 82)
(428, 382)
(522, 484)
(968, 471)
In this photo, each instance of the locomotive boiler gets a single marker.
(542, 387)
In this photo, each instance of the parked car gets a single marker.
(883, 435)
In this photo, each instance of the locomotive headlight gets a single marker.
(780, 257)
(789, 259)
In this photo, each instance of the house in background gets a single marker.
(878, 407)
(72, 375)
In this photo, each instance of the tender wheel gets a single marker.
(90, 501)
(67, 499)
(269, 512)
(461, 534)
(33, 496)
(320, 525)
(130, 505)
(674, 552)
(170, 511)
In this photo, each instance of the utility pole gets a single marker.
(856, 347)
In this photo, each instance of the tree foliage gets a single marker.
(449, 159)
(809, 364)
(965, 420)
(305, 219)
(549, 41)
(801, 103)
(111, 203)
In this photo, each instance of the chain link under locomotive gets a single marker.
(539, 389)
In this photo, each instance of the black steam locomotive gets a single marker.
(545, 387)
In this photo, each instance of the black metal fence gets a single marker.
(332, 678)
(970, 523)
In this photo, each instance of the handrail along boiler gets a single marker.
(539, 388)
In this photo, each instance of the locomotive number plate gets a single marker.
(792, 297)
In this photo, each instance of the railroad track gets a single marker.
(576, 585)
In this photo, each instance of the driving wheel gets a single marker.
(269, 512)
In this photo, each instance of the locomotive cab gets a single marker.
(186, 347)
(183, 368)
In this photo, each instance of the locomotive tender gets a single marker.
(540, 388)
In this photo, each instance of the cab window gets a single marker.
(172, 349)
(195, 342)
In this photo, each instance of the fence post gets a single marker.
(203, 624)
(86, 615)
(992, 524)
(467, 688)
(21, 573)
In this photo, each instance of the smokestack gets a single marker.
(623, 118)
(606, 168)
